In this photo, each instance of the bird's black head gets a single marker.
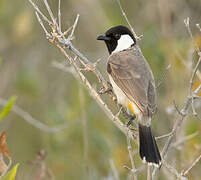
(118, 38)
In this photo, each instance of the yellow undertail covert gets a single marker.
(131, 108)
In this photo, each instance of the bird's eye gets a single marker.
(117, 36)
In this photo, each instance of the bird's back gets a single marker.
(133, 75)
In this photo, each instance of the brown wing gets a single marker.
(133, 76)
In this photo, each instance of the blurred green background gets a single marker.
(90, 141)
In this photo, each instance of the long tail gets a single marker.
(148, 147)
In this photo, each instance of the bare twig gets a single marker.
(183, 113)
(96, 96)
(191, 166)
(124, 15)
(187, 23)
(138, 170)
(164, 136)
(38, 10)
(7, 167)
(51, 14)
(184, 139)
(36, 123)
(42, 25)
(163, 76)
(74, 26)
(176, 127)
(148, 171)
(59, 14)
(193, 75)
(187, 65)
(173, 171)
(65, 68)
(197, 91)
(114, 170)
(131, 157)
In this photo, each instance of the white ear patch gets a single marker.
(124, 42)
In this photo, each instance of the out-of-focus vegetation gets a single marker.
(53, 97)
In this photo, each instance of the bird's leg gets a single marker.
(129, 118)
(103, 90)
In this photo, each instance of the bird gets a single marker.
(133, 84)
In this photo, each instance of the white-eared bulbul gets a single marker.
(133, 84)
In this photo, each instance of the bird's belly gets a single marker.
(123, 99)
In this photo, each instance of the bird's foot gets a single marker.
(107, 90)
(129, 119)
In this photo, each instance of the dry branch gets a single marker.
(134, 175)
(188, 104)
(192, 165)
(29, 118)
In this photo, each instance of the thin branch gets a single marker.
(50, 13)
(65, 68)
(173, 171)
(95, 95)
(7, 166)
(164, 136)
(138, 170)
(192, 165)
(131, 158)
(42, 25)
(187, 65)
(36, 123)
(103, 105)
(114, 170)
(183, 113)
(59, 14)
(187, 23)
(194, 111)
(193, 75)
(124, 15)
(163, 76)
(184, 139)
(176, 127)
(38, 10)
(74, 26)
(148, 171)
(197, 91)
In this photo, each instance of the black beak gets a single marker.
(103, 37)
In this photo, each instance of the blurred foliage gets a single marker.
(52, 96)
(11, 174)
(6, 110)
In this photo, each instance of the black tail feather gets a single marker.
(148, 147)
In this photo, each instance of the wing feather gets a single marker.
(133, 76)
